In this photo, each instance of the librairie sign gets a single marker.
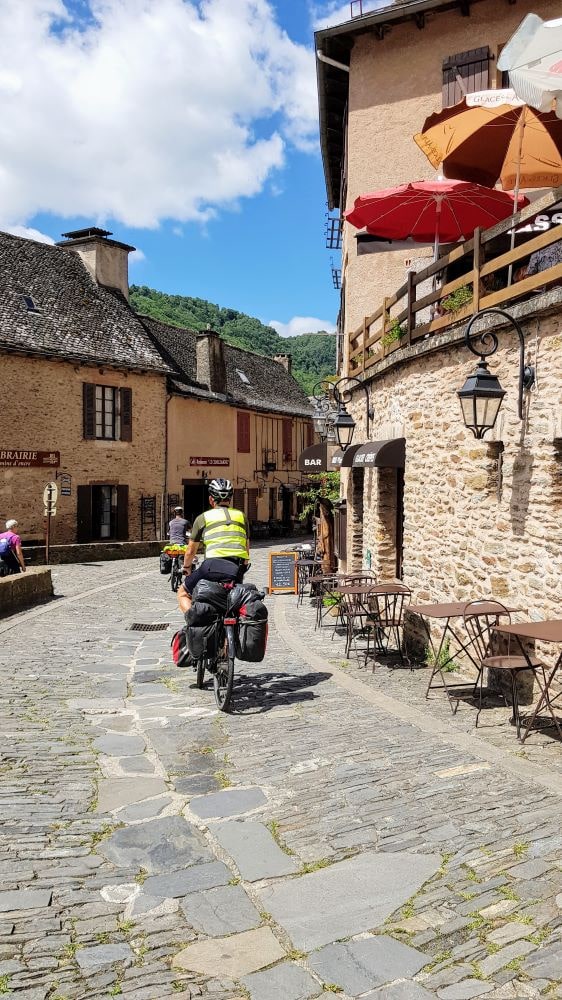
(13, 458)
(203, 460)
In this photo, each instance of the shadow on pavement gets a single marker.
(258, 693)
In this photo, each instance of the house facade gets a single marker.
(235, 414)
(453, 516)
(84, 395)
(129, 416)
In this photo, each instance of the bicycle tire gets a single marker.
(200, 676)
(223, 682)
(175, 578)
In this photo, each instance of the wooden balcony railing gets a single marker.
(399, 321)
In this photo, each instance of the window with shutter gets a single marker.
(84, 514)
(238, 500)
(243, 432)
(465, 73)
(287, 440)
(252, 505)
(309, 435)
(122, 527)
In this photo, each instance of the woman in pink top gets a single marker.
(11, 554)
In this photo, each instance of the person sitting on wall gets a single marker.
(223, 531)
(542, 260)
(11, 555)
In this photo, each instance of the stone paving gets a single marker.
(335, 835)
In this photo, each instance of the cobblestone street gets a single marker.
(335, 835)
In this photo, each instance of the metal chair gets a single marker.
(387, 618)
(480, 618)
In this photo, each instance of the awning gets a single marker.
(380, 454)
(337, 459)
(349, 455)
(314, 459)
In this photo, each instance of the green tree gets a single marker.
(322, 484)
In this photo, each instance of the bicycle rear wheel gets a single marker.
(223, 681)
(201, 664)
(175, 577)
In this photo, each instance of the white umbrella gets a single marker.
(533, 59)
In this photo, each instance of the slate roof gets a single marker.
(269, 386)
(77, 319)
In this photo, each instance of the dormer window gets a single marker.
(31, 305)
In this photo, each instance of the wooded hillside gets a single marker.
(313, 353)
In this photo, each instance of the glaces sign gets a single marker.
(11, 458)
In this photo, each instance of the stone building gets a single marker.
(235, 414)
(379, 77)
(84, 390)
(455, 517)
(128, 415)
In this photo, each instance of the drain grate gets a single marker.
(144, 627)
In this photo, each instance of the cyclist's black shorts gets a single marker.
(216, 569)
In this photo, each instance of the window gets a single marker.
(465, 73)
(108, 413)
(287, 440)
(102, 512)
(31, 304)
(243, 432)
(309, 435)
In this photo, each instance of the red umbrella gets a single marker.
(436, 212)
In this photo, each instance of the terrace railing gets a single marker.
(406, 316)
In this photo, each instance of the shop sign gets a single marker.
(11, 458)
(203, 460)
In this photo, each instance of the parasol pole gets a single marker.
(438, 201)
(521, 126)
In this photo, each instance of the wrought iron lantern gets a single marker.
(482, 394)
(333, 421)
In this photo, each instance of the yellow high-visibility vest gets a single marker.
(225, 535)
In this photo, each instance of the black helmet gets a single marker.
(220, 489)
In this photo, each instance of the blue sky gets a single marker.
(181, 134)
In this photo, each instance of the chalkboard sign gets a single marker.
(283, 572)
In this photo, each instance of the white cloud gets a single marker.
(137, 256)
(301, 324)
(29, 233)
(330, 12)
(147, 109)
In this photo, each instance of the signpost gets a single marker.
(283, 572)
(50, 494)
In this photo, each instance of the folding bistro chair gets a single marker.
(387, 604)
(480, 618)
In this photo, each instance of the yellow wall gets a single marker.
(194, 428)
(41, 410)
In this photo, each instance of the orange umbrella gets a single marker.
(517, 145)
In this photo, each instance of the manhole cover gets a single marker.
(144, 627)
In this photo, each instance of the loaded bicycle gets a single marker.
(226, 622)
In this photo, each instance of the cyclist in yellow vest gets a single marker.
(223, 531)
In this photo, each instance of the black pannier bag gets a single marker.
(209, 592)
(240, 594)
(251, 641)
(165, 563)
(202, 629)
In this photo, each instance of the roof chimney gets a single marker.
(284, 359)
(106, 260)
(211, 368)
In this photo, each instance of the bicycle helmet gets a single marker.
(220, 490)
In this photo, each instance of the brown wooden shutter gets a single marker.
(89, 410)
(465, 73)
(126, 399)
(238, 500)
(309, 435)
(83, 514)
(287, 439)
(123, 512)
(243, 432)
(252, 505)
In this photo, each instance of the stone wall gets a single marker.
(23, 590)
(481, 518)
(92, 552)
(45, 413)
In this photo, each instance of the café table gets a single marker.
(305, 572)
(549, 630)
(461, 644)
